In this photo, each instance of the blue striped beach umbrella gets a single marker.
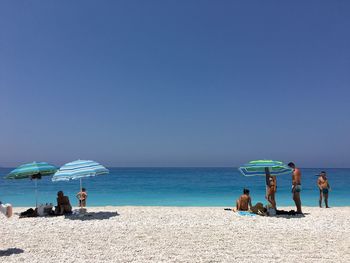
(259, 167)
(79, 169)
(33, 171)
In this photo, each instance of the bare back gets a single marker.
(244, 202)
(296, 177)
(63, 200)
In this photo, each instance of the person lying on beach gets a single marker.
(6, 209)
(258, 209)
(82, 196)
(63, 204)
(244, 202)
(324, 187)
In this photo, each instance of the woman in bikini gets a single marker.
(82, 196)
(271, 187)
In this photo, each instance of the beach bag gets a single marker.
(271, 211)
(44, 210)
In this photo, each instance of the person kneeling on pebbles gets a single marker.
(6, 209)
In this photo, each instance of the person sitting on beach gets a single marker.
(6, 209)
(63, 204)
(82, 196)
(324, 187)
(244, 202)
(271, 187)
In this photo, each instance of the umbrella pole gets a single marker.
(81, 189)
(36, 192)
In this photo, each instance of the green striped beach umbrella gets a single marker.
(259, 167)
(33, 171)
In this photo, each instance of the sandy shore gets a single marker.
(177, 234)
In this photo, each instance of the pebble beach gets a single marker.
(177, 234)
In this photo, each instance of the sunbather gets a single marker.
(63, 204)
(6, 209)
(244, 201)
(259, 209)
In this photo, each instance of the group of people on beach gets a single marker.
(244, 202)
(63, 203)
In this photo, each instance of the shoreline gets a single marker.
(177, 234)
(169, 206)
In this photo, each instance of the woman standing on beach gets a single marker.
(271, 187)
(82, 196)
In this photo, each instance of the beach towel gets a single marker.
(245, 213)
(29, 213)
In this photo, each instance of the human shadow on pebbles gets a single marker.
(10, 251)
(297, 216)
(92, 216)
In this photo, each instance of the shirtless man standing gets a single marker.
(324, 186)
(296, 186)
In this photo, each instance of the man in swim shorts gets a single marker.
(296, 186)
(324, 187)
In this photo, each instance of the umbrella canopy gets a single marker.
(259, 167)
(79, 169)
(31, 170)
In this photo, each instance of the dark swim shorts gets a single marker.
(296, 188)
(325, 190)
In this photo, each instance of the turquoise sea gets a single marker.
(175, 187)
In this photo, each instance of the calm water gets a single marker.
(175, 187)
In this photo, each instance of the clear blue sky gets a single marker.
(175, 83)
